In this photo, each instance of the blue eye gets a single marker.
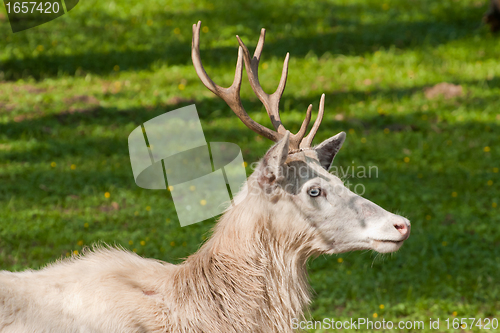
(314, 192)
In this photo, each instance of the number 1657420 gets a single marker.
(32, 7)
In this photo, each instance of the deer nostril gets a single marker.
(401, 227)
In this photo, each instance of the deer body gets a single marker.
(250, 276)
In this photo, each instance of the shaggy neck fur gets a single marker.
(248, 277)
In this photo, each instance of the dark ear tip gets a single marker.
(329, 148)
(340, 137)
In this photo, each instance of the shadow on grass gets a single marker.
(214, 109)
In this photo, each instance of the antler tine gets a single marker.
(307, 141)
(271, 102)
(295, 139)
(230, 95)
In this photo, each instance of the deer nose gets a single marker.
(403, 226)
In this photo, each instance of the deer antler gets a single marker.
(231, 95)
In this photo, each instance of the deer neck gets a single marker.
(250, 267)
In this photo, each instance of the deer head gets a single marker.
(292, 184)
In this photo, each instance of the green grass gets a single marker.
(73, 89)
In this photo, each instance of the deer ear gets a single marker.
(271, 165)
(327, 149)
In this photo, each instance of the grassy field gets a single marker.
(73, 89)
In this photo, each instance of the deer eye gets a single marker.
(314, 192)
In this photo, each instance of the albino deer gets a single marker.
(250, 276)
